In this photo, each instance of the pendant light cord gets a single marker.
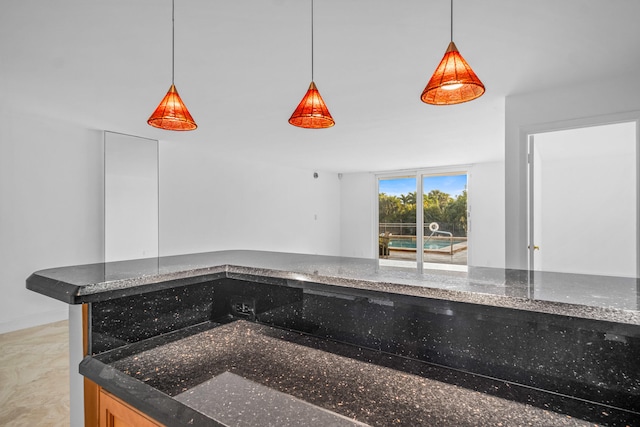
(173, 40)
(311, 40)
(451, 20)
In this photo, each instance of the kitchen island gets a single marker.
(236, 337)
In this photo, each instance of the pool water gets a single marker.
(430, 244)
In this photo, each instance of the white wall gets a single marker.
(486, 215)
(486, 203)
(215, 203)
(51, 214)
(357, 215)
(580, 105)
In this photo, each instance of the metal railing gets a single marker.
(409, 228)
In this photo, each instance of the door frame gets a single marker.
(526, 140)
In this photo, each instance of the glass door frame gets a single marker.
(420, 174)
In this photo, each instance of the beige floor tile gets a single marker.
(34, 376)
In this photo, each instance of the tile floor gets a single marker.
(34, 376)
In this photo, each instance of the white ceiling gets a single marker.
(242, 66)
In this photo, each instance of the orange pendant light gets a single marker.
(171, 113)
(312, 112)
(454, 81)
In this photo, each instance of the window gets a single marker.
(436, 220)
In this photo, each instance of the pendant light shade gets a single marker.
(453, 81)
(172, 114)
(312, 112)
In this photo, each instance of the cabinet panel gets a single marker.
(116, 413)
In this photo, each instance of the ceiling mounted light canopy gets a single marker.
(171, 113)
(312, 112)
(454, 81)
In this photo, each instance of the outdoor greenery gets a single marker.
(450, 213)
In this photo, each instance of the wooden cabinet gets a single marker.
(113, 412)
(103, 409)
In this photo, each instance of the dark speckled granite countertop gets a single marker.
(594, 297)
(237, 337)
(195, 380)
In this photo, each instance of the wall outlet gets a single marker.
(243, 308)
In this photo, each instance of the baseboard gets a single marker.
(32, 320)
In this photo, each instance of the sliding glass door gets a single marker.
(397, 219)
(422, 220)
(445, 219)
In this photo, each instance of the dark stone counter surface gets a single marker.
(593, 297)
(237, 337)
(246, 374)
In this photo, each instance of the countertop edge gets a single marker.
(182, 270)
(150, 401)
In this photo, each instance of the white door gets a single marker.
(130, 197)
(584, 200)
